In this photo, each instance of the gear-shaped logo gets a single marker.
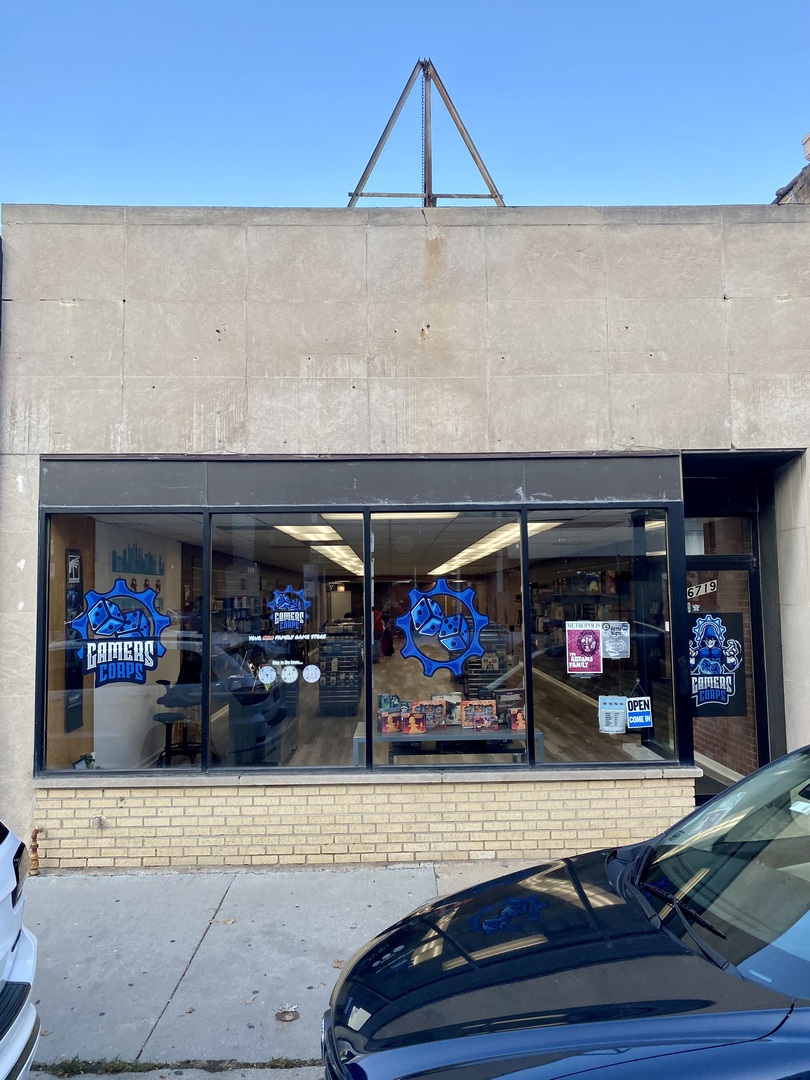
(457, 633)
(715, 658)
(289, 608)
(120, 644)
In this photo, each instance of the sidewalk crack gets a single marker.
(184, 972)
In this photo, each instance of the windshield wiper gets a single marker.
(685, 913)
(683, 909)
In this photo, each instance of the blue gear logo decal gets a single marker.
(289, 609)
(125, 640)
(427, 618)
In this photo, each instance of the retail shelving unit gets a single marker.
(340, 659)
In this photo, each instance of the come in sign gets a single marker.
(639, 712)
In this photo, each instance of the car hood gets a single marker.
(553, 948)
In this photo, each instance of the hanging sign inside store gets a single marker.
(120, 634)
(639, 713)
(716, 665)
(456, 633)
(612, 715)
(615, 640)
(583, 648)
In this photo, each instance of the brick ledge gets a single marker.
(562, 774)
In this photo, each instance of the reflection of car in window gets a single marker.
(246, 716)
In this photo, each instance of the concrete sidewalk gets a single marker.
(206, 968)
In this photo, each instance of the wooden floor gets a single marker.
(567, 717)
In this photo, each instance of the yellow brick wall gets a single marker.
(145, 825)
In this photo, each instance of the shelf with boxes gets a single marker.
(578, 595)
(340, 659)
(448, 723)
(480, 673)
(240, 613)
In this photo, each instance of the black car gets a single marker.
(687, 956)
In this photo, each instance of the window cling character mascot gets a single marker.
(709, 659)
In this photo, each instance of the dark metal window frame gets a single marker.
(67, 487)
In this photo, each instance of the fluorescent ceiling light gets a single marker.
(656, 553)
(310, 533)
(341, 554)
(650, 525)
(492, 542)
(442, 515)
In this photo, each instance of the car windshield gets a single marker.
(742, 866)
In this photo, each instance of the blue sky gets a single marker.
(262, 103)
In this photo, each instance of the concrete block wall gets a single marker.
(138, 330)
(793, 538)
(141, 824)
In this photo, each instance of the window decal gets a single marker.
(457, 634)
(715, 659)
(288, 609)
(120, 634)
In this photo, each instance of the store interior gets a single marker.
(285, 635)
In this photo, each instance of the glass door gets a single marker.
(725, 653)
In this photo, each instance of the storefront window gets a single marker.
(266, 662)
(122, 631)
(448, 674)
(600, 635)
(287, 639)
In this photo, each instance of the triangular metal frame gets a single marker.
(428, 196)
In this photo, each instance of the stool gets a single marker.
(170, 717)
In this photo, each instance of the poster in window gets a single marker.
(74, 676)
(615, 640)
(583, 648)
(717, 665)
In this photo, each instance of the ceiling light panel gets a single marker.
(341, 554)
(492, 542)
(310, 533)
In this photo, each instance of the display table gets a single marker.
(502, 741)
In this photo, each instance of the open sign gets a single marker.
(639, 712)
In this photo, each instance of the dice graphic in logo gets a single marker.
(427, 616)
(105, 617)
(454, 633)
(136, 625)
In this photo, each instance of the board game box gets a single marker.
(479, 715)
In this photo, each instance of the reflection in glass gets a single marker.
(448, 675)
(287, 638)
(121, 627)
(600, 634)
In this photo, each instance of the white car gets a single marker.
(19, 1022)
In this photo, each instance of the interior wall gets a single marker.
(76, 534)
(126, 736)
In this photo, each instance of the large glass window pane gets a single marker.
(600, 635)
(287, 639)
(122, 631)
(449, 680)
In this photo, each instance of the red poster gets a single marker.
(583, 648)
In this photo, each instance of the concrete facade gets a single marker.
(181, 331)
